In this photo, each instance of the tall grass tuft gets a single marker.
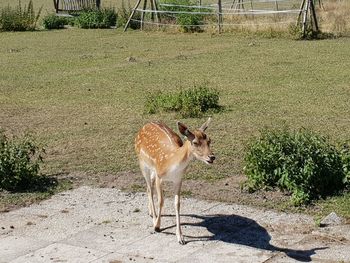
(334, 17)
(19, 18)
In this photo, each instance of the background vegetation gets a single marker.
(93, 18)
(333, 15)
(187, 22)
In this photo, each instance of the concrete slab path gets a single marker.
(107, 225)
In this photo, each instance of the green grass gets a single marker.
(76, 91)
(340, 204)
(15, 200)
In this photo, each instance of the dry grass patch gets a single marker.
(334, 16)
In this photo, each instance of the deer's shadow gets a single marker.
(243, 231)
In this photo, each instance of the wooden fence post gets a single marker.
(313, 14)
(306, 6)
(219, 16)
(132, 14)
(56, 3)
(306, 10)
(143, 13)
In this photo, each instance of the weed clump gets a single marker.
(189, 103)
(301, 162)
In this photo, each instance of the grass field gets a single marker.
(77, 91)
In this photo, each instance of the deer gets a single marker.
(163, 156)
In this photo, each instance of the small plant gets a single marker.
(18, 18)
(188, 22)
(20, 161)
(301, 162)
(189, 103)
(52, 21)
(345, 155)
(295, 31)
(97, 18)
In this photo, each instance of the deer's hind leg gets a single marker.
(160, 198)
(150, 177)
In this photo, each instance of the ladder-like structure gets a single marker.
(307, 18)
(68, 6)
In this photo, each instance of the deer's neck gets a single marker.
(178, 161)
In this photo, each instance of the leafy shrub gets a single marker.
(189, 103)
(124, 13)
(301, 162)
(188, 22)
(97, 18)
(18, 18)
(345, 155)
(52, 21)
(19, 163)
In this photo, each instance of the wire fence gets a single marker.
(220, 14)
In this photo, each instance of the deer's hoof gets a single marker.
(182, 241)
(157, 229)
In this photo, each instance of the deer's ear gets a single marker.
(205, 125)
(185, 131)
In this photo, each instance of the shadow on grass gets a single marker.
(240, 230)
(40, 184)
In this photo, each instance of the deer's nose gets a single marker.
(212, 157)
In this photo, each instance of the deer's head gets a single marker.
(200, 142)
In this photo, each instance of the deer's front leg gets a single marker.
(177, 188)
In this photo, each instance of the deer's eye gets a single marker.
(195, 143)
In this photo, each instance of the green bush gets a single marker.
(18, 18)
(97, 18)
(19, 163)
(345, 155)
(52, 21)
(189, 103)
(300, 162)
(188, 22)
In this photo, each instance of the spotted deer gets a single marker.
(163, 156)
